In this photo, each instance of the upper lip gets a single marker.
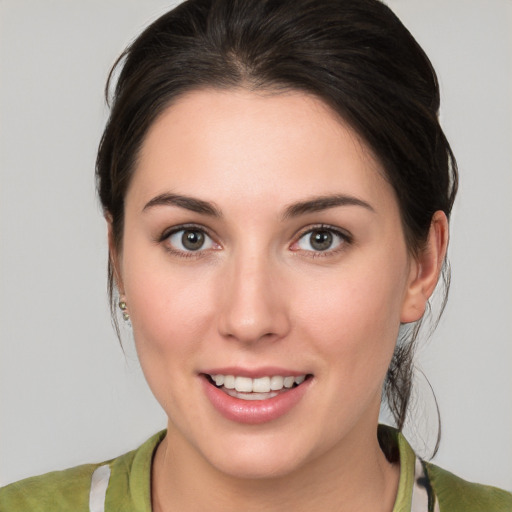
(254, 373)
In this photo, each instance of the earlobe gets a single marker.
(115, 268)
(426, 269)
(113, 255)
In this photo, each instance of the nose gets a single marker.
(254, 301)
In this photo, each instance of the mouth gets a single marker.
(261, 388)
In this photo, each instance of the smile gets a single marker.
(249, 400)
(262, 388)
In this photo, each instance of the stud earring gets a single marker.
(124, 309)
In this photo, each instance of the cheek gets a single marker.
(354, 316)
(170, 306)
(171, 317)
(169, 311)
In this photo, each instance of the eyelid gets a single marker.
(345, 236)
(347, 239)
(168, 232)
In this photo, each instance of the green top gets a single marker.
(124, 484)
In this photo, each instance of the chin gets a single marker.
(258, 464)
(260, 454)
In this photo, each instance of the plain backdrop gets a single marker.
(68, 393)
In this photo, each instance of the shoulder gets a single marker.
(426, 487)
(457, 495)
(116, 484)
(55, 491)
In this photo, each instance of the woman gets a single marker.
(277, 190)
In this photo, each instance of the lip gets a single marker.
(258, 411)
(254, 373)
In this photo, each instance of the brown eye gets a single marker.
(321, 240)
(192, 240)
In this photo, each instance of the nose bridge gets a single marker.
(253, 307)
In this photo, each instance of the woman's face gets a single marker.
(262, 247)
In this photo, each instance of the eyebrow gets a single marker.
(189, 203)
(317, 204)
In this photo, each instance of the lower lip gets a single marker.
(254, 412)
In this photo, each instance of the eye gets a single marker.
(189, 240)
(321, 239)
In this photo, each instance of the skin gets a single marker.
(258, 294)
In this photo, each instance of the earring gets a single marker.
(124, 308)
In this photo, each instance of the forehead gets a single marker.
(242, 143)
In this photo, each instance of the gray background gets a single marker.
(68, 394)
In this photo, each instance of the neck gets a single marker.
(354, 476)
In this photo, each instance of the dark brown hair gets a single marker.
(353, 54)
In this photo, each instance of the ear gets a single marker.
(114, 256)
(425, 269)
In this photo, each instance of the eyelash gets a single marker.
(344, 237)
(184, 227)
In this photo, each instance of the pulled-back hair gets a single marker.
(355, 55)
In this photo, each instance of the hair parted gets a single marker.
(355, 55)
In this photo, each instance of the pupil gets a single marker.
(192, 240)
(321, 240)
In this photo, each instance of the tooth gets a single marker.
(257, 396)
(251, 396)
(243, 384)
(288, 382)
(229, 381)
(276, 383)
(261, 385)
(300, 379)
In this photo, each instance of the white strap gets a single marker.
(99, 484)
(421, 493)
